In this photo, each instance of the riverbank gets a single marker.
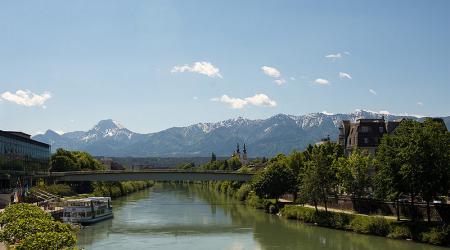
(423, 232)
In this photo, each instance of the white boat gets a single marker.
(87, 210)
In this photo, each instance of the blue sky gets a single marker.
(151, 65)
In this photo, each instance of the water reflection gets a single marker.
(171, 216)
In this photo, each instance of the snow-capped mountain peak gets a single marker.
(280, 133)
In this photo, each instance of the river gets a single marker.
(170, 216)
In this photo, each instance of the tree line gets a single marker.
(412, 163)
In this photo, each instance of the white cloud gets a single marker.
(373, 92)
(384, 112)
(204, 68)
(343, 75)
(26, 98)
(280, 81)
(270, 71)
(320, 81)
(326, 113)
(260, 100)
(195, 98)
(292, 78)
(334, 57)
(420, 104)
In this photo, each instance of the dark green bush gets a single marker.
(370, 225)
(47, 240)
(243, 192)
(22, 211)
(26, 226)
(58, 189)
(400, 232)
(437, 236)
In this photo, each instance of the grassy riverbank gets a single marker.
(432, 233)
(110, 189)
(424, 232)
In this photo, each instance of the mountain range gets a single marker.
(263, 137)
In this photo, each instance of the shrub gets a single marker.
(28, 227)
(437, 236)
(47, 240)
(22, 211)
(400, 232)
(243, 192)
(254, 201)
(370, 225)
(59, 189)
(321, 218)
(14, 232)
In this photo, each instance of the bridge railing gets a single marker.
(146, 171)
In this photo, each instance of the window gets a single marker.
(364, 129)
(366, 140)
(381, 129)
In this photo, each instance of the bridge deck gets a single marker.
(157, 175)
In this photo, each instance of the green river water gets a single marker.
(169, 216)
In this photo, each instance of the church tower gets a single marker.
(238, 152)
(244, 159)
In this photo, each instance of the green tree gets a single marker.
(296, 162)
(353, 173)
(275, 180)
(319, 180)
(414, 160)
(24, 225)
(234, 163)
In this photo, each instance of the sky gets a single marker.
(65, 65)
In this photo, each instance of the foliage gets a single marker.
(275, 180)
(47, 240)
(64, 160)
(243, 191)
(353, 173)
(27, 226)
(400, 232)
(213, 157)
(254, 201)
(318, 179)
(415, 160)
(437, 236)
(56, 189)
(370, 225)
(21, 211)
(321, 218)
(18, 230)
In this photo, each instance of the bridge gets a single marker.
(156, 175)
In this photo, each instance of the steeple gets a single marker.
(237, 149)
(244, 160)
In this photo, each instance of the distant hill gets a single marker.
(264, 137)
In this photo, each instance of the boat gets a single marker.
(86, 211)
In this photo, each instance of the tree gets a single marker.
(62, 163)
(27, 226)
(436, 161)
(274, 181)
(353, 173)
(319, 177)
(296, 162)
(213, 157)
(414, 160)
(234, 163)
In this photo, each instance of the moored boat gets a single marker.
(87, 210)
